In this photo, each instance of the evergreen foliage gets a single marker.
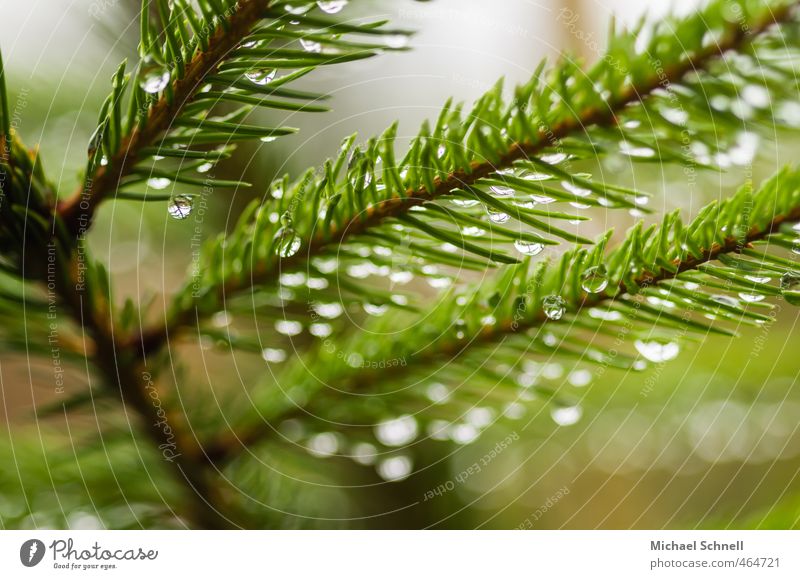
(494, 188)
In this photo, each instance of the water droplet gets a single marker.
(534, 176)
(576, 190)
(796, 247)
(329, 311)
(502, 191)
(580, 378)
(310, 45)
(364, 453)
(153, 77)
(287, 242)
(594, 279)
(542, 199)
(297, 9)
(554, 306)
(159, 183)
(528, 247)
(437, 393)
(331, 6)
(756, 96)
(288, 327)
(726, 300)
(397, 431)
(320, 330)
(472, 231)
(465, 202)
(376, 310)
(440, 282)
(554, 158)
(260, 77)
(751, 298)
(273, 355)
(633, 151)
(396, 40)
(401, 277)
(657, 351)
(566, 415)
(395, 468)
(180, 206)
(323, 444)
(205, 167)
(497, 216)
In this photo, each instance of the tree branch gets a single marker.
(152, 338)
(78, 210)
(218, 451)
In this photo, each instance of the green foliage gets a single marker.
(485, 189)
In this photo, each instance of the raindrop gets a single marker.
(364, 453)
(288, 327)
(657, 351)
(533, 176)
(575, 190)
(376, 310)
(398, 431)
(297, 9)
(158, 183)
(310, 45)
(329, 311)
(756, 96)
(396, 40)
(528, 247)
(320, 330)
(554, 307)
(566, 415)
(287, 242)
(594, 279)
(465, 202)
(395, 468)
(542, 199)
(553, 159)
(725, 300)
(472, 231)
(440, 282)
(331, 6)
(153, 77)
(502, 191)
(751, 298)
(631, 151)
(205, 167)
(401, 277)
(323, 444)
(273, 355)
(497, 216)
(796, 247)
(580, 378)
(260, 77)
(180, 206)
(437, 393)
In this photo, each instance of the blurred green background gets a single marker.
(707, 440)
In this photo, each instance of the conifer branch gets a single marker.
(463, 180)
(767, 213)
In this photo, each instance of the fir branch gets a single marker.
(216, 51)
(353, 210)
(644, 262)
